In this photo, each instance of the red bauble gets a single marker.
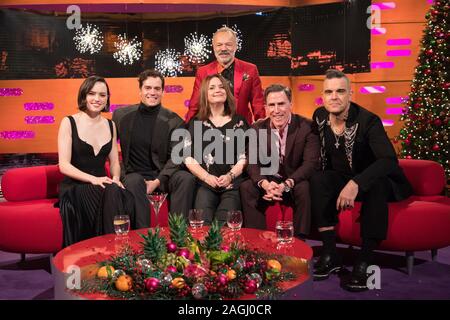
(436, 148)
(171, 247)
(417, 105)
(434, 12)
(222, 280)
(184, 253)
(408, 157)
(151, 284)
(438, 122)
(250, 286)
(427, 72)
(446, 85)
(171, 269)
(407, 141)
(429, 52)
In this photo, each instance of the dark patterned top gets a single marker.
(216, 149)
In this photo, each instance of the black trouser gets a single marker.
(325, 189)
(254, 206)
(181, 189)
(217, 204)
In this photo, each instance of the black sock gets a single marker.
(329, 241)
(368, 245)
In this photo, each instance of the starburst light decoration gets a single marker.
(168, 62)
(196, 48)
(128, 51)
(238, 37)
(88, 39)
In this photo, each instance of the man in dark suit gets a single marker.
(358, 163)
(145, 133)
(242, 76)
(298, 155)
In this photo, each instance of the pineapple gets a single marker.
(154, 245)
(169, 259)
(214, 238)
(179, 230)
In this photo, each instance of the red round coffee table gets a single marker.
(84, 255)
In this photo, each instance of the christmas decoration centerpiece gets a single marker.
(181, 267)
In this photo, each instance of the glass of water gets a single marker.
(122, 225)
(234, 220)
(284, 231)
(196, 218)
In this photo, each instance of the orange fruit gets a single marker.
(103, 271)
(178, 283)
(124, 283)
(274, 265)
(231, 274)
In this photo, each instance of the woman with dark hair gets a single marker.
(218, 170)
(89, 199)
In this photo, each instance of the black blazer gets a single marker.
(161, 145)
(370, 152)
(301, 154)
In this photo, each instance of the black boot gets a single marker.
(326, 265)
(329, 261)
(358, 278)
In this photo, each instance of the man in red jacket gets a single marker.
(243, 78)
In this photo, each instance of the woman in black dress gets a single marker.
(218, 170)
(89, 199)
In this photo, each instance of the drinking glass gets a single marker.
(196, 218)
(284, 231)
(157, 199)
(121, 225)
(234, 220)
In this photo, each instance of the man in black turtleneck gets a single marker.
(144, 131)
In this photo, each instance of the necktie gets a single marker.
(280, 132)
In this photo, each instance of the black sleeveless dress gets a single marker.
(88, 210)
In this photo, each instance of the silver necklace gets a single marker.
(336, 136)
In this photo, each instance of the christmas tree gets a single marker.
(425, 133)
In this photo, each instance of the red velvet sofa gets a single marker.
(419, 223)
(28, 221)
